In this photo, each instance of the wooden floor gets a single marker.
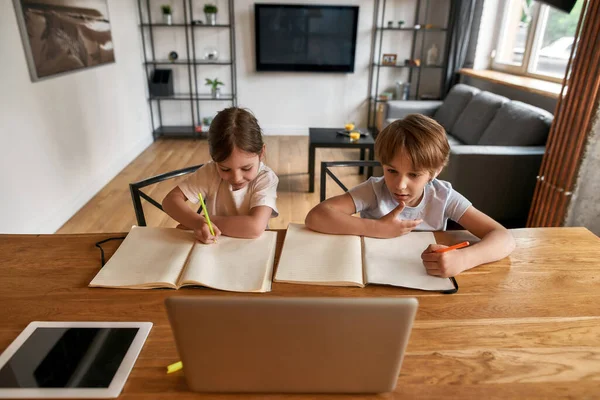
(111, 210)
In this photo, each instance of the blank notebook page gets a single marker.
(397, 262)
(239, 265)
(147, 256)
(318, 258)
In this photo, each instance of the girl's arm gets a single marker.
(245, 226)
(496, 243)
(334, 216)
(175, 205)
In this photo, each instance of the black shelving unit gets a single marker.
(190, 61)
(417, 51)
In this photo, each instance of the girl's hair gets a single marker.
(234, 127)
(420, 137)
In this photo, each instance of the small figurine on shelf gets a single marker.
(211, 53)
(166, 13)
(390, 24)
(432, 55)
(400, 24)
(173, 56)
(215, 90)
(210, 11)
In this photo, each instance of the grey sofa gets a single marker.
(496, 147)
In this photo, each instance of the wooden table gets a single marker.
(527, 326)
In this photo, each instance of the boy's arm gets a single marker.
(245, 226)
(334, 216)
(496, 243)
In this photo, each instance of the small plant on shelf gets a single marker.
(210, 11)
(214, 84)
(167, 14)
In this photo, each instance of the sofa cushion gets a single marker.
(476, 117)
(455, 102)
(518, 124)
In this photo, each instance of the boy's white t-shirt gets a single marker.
(440, 202)
(221, 200)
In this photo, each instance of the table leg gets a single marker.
(361, 170)
(311, 168)
(371, 158)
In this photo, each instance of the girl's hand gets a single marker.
(445, 265)
(203, 233)
(392, 226)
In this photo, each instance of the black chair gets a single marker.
(137, 194)
(325, 165)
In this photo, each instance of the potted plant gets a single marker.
(215, 90)
(166, 13)
(210, 11)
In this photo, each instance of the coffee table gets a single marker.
(328, 138)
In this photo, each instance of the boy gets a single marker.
(413, 151)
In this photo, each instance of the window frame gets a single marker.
(539, 18)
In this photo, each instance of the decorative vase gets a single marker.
(216, 93)
(167, 19)
(211, 18)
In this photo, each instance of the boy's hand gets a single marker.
(392, 226)
(445, 265)
(203, 233)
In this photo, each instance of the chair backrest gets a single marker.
(325, 170)
(137, 194)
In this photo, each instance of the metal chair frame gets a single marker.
(137, 195)
(325, 165)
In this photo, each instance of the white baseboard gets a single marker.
(71, 206)
(285, 130)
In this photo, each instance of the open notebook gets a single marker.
(342, 260)
(171, 258)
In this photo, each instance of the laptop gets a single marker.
(291, 345)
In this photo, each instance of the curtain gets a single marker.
(459, 31)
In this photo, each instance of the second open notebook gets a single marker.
(342, 260)
(171, 258)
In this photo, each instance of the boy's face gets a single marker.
(404, 182)
(240, 168)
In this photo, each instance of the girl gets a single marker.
(239, 190)
(413, 151)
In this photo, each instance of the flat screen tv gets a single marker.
(291, 37)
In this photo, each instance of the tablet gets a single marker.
(71, 359)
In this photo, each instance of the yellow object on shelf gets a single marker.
(174, 367)
(349, 126)
(354, 135)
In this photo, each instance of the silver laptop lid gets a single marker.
(310, 345)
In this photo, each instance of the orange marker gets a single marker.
(455, 247)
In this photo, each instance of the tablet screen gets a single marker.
(68, 358)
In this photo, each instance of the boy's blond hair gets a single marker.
(420, 137)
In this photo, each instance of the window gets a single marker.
(535, 39)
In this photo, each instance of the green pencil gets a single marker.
(212, 232)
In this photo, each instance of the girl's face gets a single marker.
(240, 168)
(404, 182)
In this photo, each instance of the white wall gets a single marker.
(62, 139)
(288, 103)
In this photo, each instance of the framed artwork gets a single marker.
(61, 36)
(388, 59)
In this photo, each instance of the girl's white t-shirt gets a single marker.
(221, 200)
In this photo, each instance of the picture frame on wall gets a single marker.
(389, 59)
(62, 36)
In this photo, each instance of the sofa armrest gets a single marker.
(498, 180)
